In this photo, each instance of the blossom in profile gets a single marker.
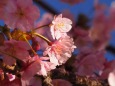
(60, 26)
(21, 15)
(12, 50)
(46, 66)
(11, 76)
(67, 14)
(111, 78)
(61, 50)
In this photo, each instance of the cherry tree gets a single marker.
(22, 37)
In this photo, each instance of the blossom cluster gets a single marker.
(23, 37)
(20, 63)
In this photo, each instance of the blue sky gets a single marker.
(85, 7)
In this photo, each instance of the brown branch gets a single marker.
(110, 49)
(46, 7)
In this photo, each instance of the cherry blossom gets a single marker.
(30, 70)
(109, 67)
(1, 74)
(21, 15)
(2, 6)
(37, 65)
(111, 78)
(61, 50)
(11, 76)
(67, 14)
(6, 82)
(81, 37)
(46, 66)
(13, 50)
(100, 31)
(46, 19)
(89, 63)
(20, 67)
(35, 81)
(60, 26)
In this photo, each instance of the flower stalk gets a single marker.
(42, 37)
(29, 44)
(47, 25)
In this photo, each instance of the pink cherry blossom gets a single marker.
(109, 67)
(6, 82)
(11, 76)
(81, 37)
(30, 70)
(67, 14)
(72, 2)
(100, 31)
(61, 50)
(15, 49)
(35, 81)
(60, 26)
(46, 19)
(46, 66)
(111, 78)
(90, 62)
(21, 15)
(2, 6)
(1, 72)
(3, 3)
(37, 65)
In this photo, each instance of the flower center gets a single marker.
(58, 49)
(60, 25)
(20, 13)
